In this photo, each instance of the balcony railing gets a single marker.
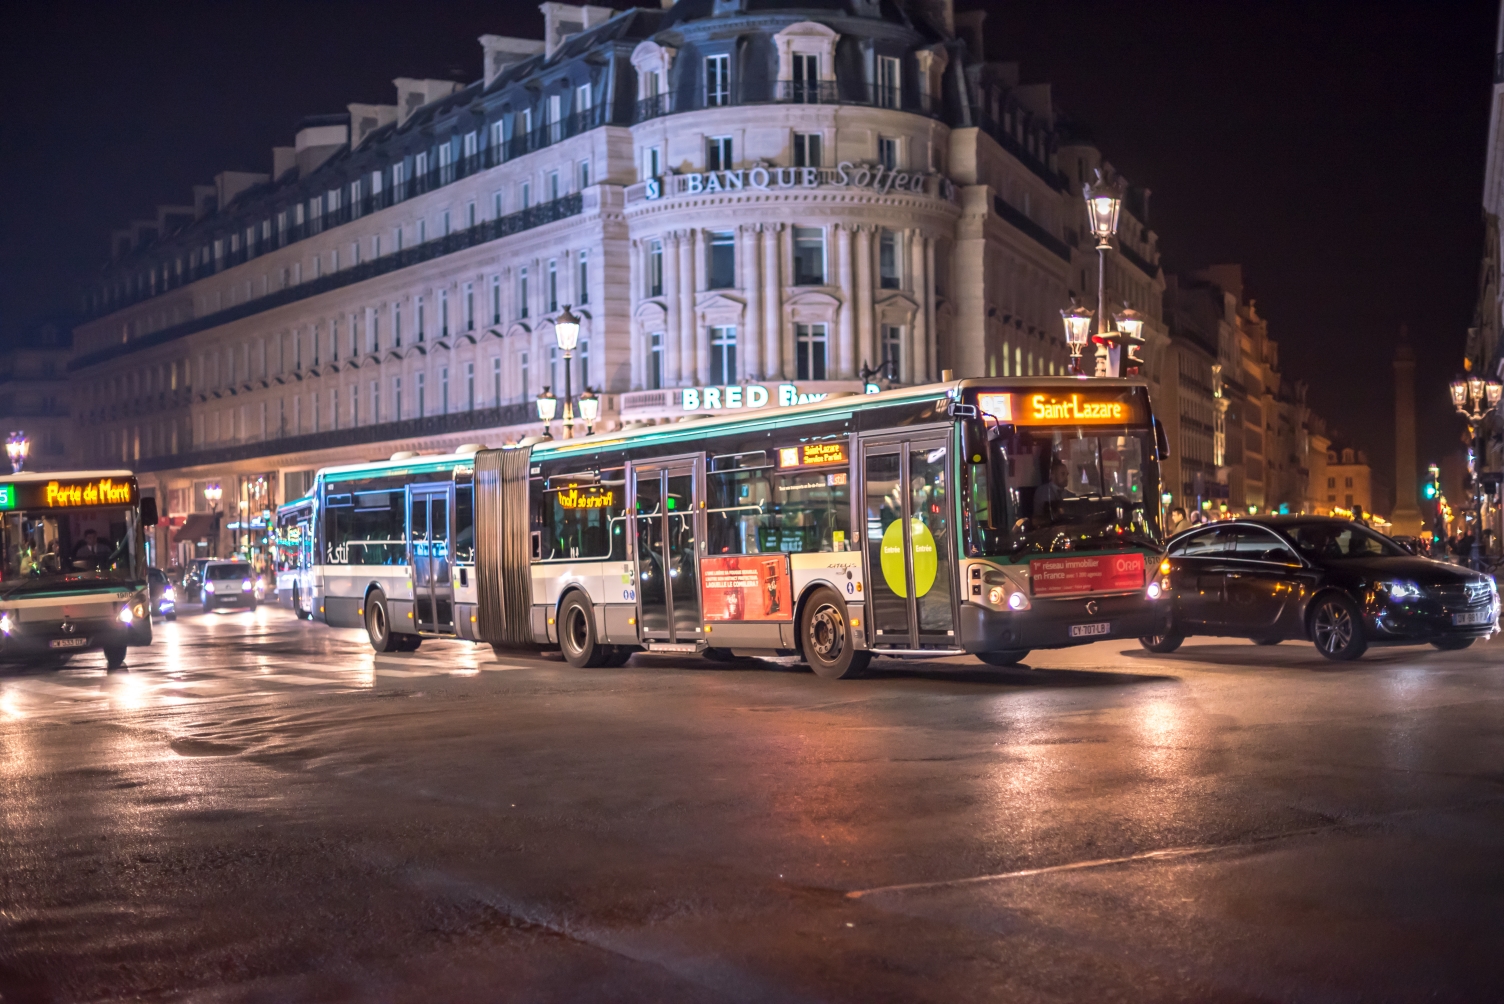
(1052, 243)
(489, 230)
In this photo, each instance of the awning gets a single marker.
(196, 527)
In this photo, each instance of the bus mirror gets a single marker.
(1161, 441)
(148, 511)
(974, 442)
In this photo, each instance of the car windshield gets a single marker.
(1342, 540)
(68, 551)
(218, 572)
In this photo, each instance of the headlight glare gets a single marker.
(1018, 601)
(127, 615)
(995, 595)
(1400, 590)
(209, 586)
(6, 624)
(1153, 591)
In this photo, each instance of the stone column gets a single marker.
(749, 339)
(786, 331)
(688, 367)
(701, 332)
(846, 349)
(866, 351)
(932, 357)
(671, 300)
(919, 337)
(637, 287)
(772, 301)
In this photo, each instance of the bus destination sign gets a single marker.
(67, 494)
(587, 497)
(1046, 408)
(812, 455)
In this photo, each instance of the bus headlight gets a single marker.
(1018, 601)
(995, 596)
(6, 624)
(1153, 592)
(127, 615)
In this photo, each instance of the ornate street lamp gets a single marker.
(567, 333)
(1131, 326)
(1104, 200)
(590, 409)
(1474, 398)
(548, 405)
(17, 447)
(212, 494)
(1077, 321)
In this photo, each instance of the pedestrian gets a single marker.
(1177, 522)
(1360, 517)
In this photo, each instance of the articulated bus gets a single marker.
(73, 566)
(988, 517)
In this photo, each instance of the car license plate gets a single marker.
(1473, 617)
(68, 643)
(1090, 630)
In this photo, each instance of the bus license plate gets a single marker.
(68, 643)
(1090, 630)
(1473, 617)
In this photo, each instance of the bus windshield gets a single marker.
(1061, 489)
(68, 551)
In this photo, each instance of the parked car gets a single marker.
(228, 584)
(1330, 581)
(164, 597)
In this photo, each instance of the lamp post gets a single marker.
(548, 406)
(1131, 329)
(567, 333)
(241, 533)
(1077, 321)
(1475, 399)
(212, 494)
(17, 447)
(1104, 199)
(590, 409)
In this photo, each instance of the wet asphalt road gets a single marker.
(260, 810)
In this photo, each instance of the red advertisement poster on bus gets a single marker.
(747, 587)
(1087, 574)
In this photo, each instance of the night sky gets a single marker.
(1336, 150)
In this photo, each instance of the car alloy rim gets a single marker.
(1334, 627)
(827, 633)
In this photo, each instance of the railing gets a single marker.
(1136, 260)
(481, 233)
(1033, 161)
(1028, 226)
(502, 416)
(654, 107)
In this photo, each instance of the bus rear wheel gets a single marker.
(577, 634)
(114, 656)
(825, 639)
(379, 623)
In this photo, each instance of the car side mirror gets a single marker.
(149, 511)
(1408, 545)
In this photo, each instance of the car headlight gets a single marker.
(6, 624)
(169, 593)
(245, 585)
(209, 586)
(1400, 590)
(127, 615)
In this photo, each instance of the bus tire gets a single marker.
(577, 634)
(824, 639)
(114, 656)
(379, 623)
(1004, 656)
(619, 655)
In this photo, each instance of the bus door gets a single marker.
(665, 505)
(428, 556)
(907, 501)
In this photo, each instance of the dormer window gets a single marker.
(717, 81)
(889, 82)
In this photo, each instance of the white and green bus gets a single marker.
(989, 517)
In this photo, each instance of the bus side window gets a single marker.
(753, 511)
(464, 524)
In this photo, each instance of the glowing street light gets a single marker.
(1131, 326)
(1104, 200)
(1077, 321)
(17, 447)
(548, 405)
(567, 334)
(590, 409)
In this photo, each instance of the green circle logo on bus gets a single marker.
(925, 558)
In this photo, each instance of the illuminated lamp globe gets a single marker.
(1103, 200)
(1458, 388)
(1491, 391)
(548, 405)
(17, 447)
(213, 493)
(567, 330)
(1131, 324)
(1475, 388)
(590, 406)
(1077, 320)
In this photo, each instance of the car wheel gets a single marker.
(1452, 644)
(1162, 644)
(1337, 629)
(1266, 641)
(1004, 656)
(171, 616)
(577, 634)
(252, 607)
(825, 640)
(379, 623)
(114, 656)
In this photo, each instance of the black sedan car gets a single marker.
(1330, 581)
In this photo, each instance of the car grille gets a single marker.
(1467, 594)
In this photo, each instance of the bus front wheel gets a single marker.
(825, 639)
(379, 623)
(114, 656)
(1003, 656)
(577, 634)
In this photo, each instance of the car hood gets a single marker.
(1422, 571)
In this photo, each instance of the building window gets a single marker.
(809, 256)
(717, 81)
(652, 162)
(1349, 501)
(522, 292)
(723, 354)
(447, 232)
(584, 174)
(655, 268)
(655, 361)
(887, 152)
(375, 400)
(553, 186)
(523, 372)
(553, 284)
(444, 390)
(582, 291)
(888, 259)
(718, 153)
(1331, 483)
(1349, 483)
(806, 77)
(889, 82)
(582, 99)
(469, 306)
(397, 325)
(422, 395)
(806, 149)
(469, 386)
(469, 216)
(809, 349)
(496, 380)
(397, 398)
(495, 299)
(443, 313)
(720, 260)
(526, 192)
(422, 320)
(892, 350)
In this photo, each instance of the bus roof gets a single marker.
(33, 476)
